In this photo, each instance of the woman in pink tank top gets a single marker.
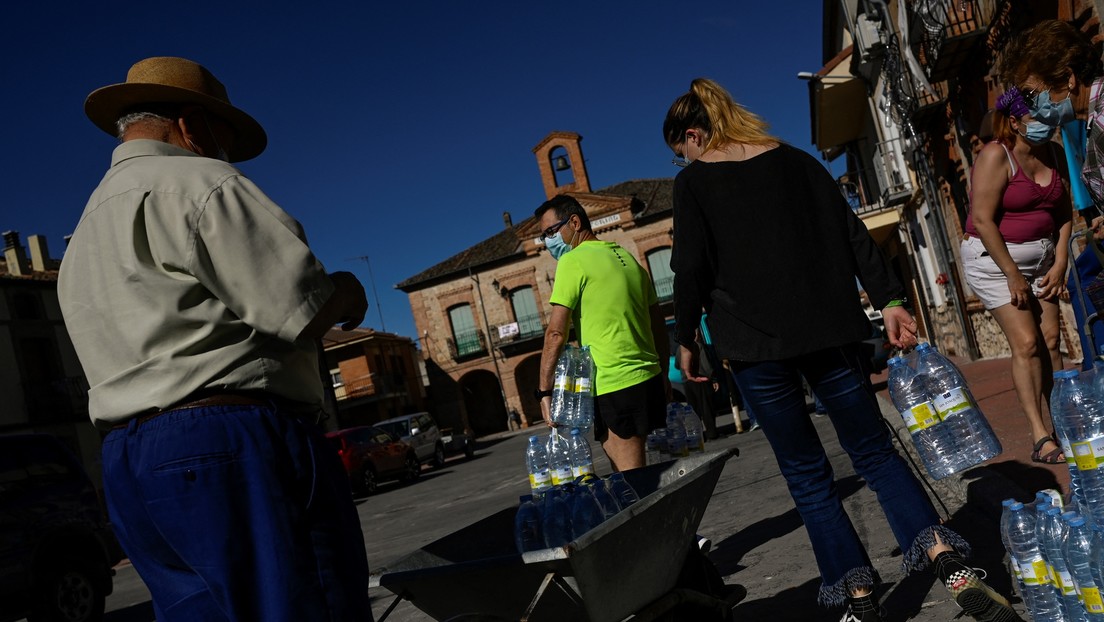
(1014, 254)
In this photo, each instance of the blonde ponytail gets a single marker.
(709, 107)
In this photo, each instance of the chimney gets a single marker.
(14, 254)
(509, 222)
(40, 255)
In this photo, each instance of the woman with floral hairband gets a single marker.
(1015, 251)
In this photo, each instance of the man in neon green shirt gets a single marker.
(610, 298)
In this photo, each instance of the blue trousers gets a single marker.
(237, 513)
(774, 390)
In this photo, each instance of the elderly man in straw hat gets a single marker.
(195, 304)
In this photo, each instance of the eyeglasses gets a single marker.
(551, 231)
(1029, 96)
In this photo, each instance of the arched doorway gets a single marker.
(483, 402)
(526, 376)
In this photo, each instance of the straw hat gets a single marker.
(165, 79)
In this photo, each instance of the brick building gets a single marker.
(375, 376)
(481, 314)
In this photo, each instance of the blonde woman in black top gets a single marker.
(766, 244)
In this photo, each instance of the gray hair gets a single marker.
(141, 116)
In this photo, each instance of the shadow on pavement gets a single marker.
(796, 604)
(142, 612)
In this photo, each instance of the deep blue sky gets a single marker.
(400, 131)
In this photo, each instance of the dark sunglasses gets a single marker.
(551, 231)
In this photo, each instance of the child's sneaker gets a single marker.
(977, 599)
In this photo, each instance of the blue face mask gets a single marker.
(1050, 113)
(556, 246)
(1038, 133)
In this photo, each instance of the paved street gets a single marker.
(758, 539)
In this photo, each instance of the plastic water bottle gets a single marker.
(654, 447)
(556, 519)
(527, 526)
(582, 460)
(559, 461)
(909, 393)
(1082, 420)
(622, 490)
(1038, 593)
(956, 407)
(584, 383)
(676, 433)
(1078, 550)
(602, 495)
(691, 422)
(586, 514)
(1063, 383)
(1005, 522)
(1051, 532)
(563, 389)
(536, 461)
(1096, 557)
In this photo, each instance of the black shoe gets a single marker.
(859, 614)
(977, 599)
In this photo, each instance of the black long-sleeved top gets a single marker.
(770, 249)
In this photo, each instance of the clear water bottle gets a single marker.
(527, 526)
(556, 519)
(536, 461)
(676, 433)
(602, 495)
(563, 389)
(586, 514)
(956, 407)
(1038, 593)
(582, 460)
(654, 446)
(1064, 381)
(559, 461)
(584, 385)
(1096, 557)
(910, 397)
(1078, 551)
(692, 423)
(1005, 521)
(622, 490)
(1082, 420)
(1050, 531)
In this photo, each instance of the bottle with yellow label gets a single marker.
(1078, 551)
(1038, 587)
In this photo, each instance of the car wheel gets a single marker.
(412, 470)
(368, 481)
(469, 450)
(68, 591)
(438, 456)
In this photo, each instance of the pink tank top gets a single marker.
(1026, 210)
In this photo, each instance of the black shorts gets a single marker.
(632, 411)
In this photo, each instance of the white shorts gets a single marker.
(986, 279)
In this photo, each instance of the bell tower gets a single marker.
(560, 159)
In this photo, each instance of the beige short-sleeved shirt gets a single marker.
(182, 275)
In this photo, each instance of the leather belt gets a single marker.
(217, 399)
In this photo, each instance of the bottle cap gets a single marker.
(1016, 506)
(1007, 502)
(923, 345)
(1053, 511)
(534, 439)
(895, 361)
(1067, 373)
(1077, 521)
(1070, 515)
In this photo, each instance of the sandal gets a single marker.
(1049, 458)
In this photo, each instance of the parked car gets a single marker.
(421, 431)
(56, 546)
(371, 455)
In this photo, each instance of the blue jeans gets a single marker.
(237, 513)
(774, 390)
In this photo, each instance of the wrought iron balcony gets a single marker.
(945, 32)
(665, 288)
(467, 344)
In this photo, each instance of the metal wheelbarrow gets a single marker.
(621, 568)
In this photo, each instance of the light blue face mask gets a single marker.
(1038, 133)
(556, 246)
(1051, 113)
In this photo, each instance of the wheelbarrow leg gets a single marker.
(390, 608)
(550, 579)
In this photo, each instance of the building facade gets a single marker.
(481, 314)
(902, 99)
(374, 375)
(43, 385)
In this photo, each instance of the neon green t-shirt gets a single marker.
(609, 295)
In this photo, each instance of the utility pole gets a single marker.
(372, 281)
(491, 350)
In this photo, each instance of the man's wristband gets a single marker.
(540, 395)
(896, 302)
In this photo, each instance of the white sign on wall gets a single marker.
(508, 330)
